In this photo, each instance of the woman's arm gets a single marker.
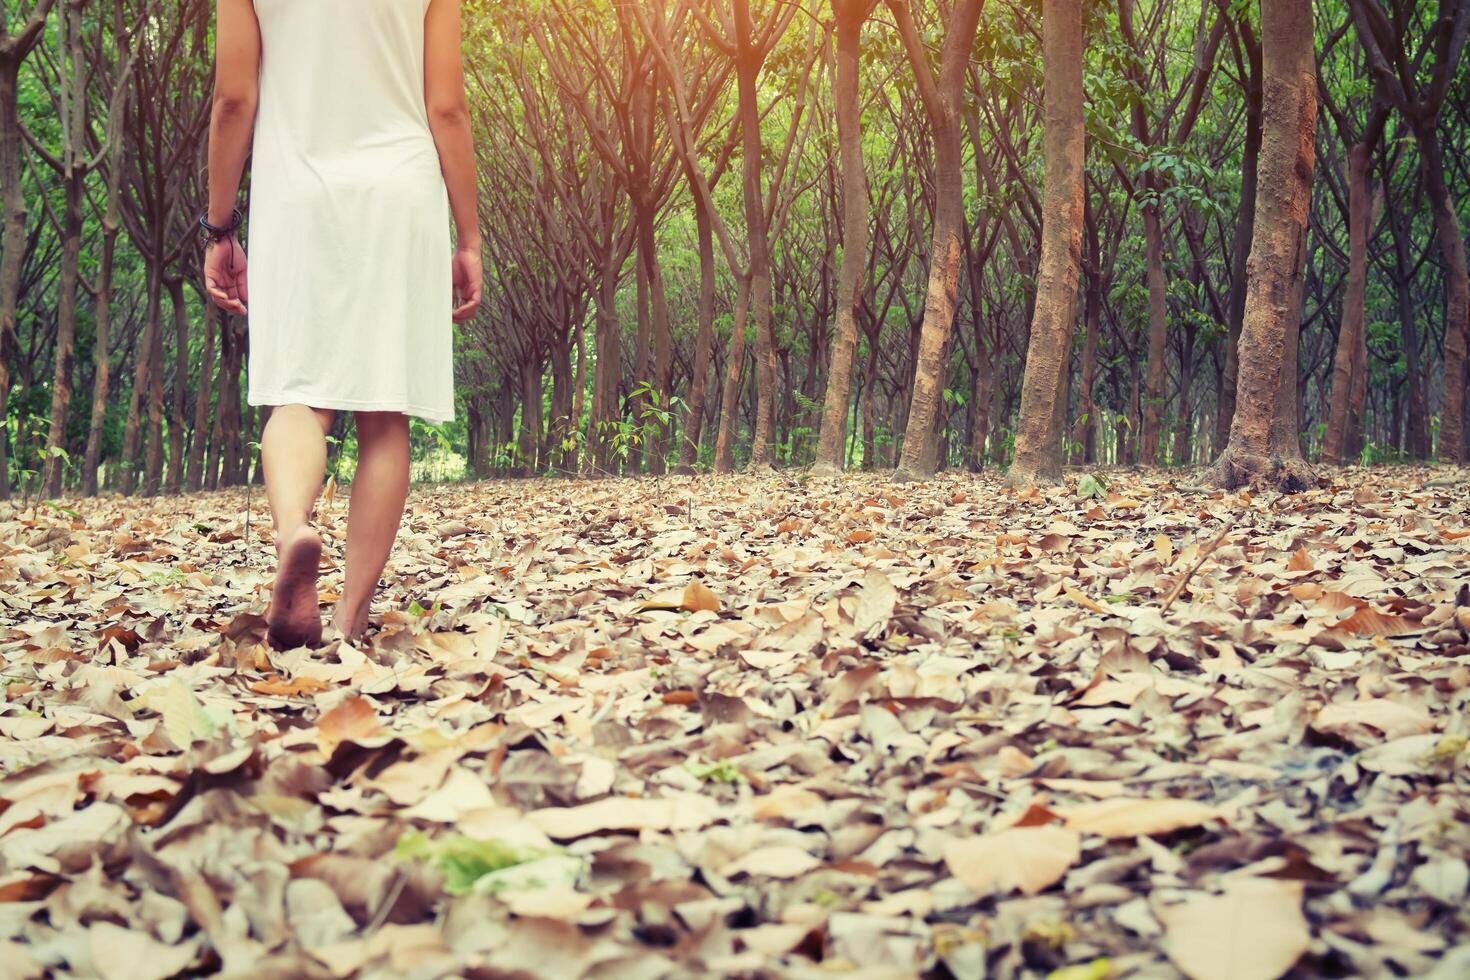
(449, 121)
(232, 121)
(236, 90)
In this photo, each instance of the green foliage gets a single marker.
(1091, 487)
(489, 867)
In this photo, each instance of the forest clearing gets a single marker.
(753, 727)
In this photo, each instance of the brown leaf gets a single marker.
(697, 597)
(1255, 930)
(1025, 859)
(353, 718)
(1301, 561)
(1130, 817)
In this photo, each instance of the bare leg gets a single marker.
(294, 453)
(379, 490)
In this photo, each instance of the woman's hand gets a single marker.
(224, 275)
(468, 282)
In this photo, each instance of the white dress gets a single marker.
(350, 275)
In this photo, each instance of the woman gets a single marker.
(361, 152)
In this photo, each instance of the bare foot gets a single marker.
(351, 628)
(295, 618)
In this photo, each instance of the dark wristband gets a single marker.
(209, 234)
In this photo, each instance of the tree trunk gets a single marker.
(1158, 333)
(179, 407)
(1341, 426)
(233, 464)
(66, 332)
(201, 402)
(1416, 426)
(1264, 449)
(748, 61)
(153, 454)
(1044, 387)
(943, 97)
(1239, 254)
(132, 426)
(704, 341)
(12, 246)
(1092, 305)
(1185, 431)
(607, 374)
(730, 395)
(836, 406)
(1457, 296)
(102, 315)
(980, 397)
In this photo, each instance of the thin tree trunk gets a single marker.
(748, 61)
(607, 374)
(132, 425)
(1044, 387)
(1264, 448)
(201, 402)
(102, 317)
(1158, 333)
(179, 406)
(1092, 316)
(232, 440)
(1184, 433)
(730, 395)
(836, 406)
(943, 97)
(1457, 296)
(704, 341)
(66, 332)
(153, 454)
(1240, 252)
(1350, 336)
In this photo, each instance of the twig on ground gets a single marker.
(1175, 592)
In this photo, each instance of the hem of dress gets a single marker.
(432, 415)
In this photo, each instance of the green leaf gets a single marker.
(723, 771)
(1091, 486)
(490, 867)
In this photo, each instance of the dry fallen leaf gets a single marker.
(1125, 817)
(1254, 930)
(1028, 859)
(774, 764)
(353, 718)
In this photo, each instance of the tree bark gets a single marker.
(132, 425)
(153, 454)
(1347, 364)
(1092, 316)
(943, 98)
(730, 394)
(836, 405)
(102, 317)
(1240, 247)
(1044, 387)
(1457, 296)
(749, 58)
(704, 341)
(66, 331)
(1158, 332)
(1264, 449)
(233, 462)
(1416, 426)
(13, 51)
(195, 478)
(179, 405)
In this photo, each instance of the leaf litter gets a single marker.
(751, 727)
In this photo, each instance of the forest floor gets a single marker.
(754, 726)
